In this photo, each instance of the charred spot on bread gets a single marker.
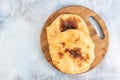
(66, 50)
(69, 23)
(60, 54)
(63, 44)
(75, 53)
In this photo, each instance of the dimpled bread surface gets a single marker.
(70, 45)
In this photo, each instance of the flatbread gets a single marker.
(70, 44)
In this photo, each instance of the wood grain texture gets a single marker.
(101, 45)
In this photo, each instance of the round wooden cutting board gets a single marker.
(101, 45)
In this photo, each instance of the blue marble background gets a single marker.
(21, 22)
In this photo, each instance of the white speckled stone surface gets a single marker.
(20, 26)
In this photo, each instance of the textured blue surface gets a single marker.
(20, 54)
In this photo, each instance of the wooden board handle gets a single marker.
(102, 25)
(101, 45)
